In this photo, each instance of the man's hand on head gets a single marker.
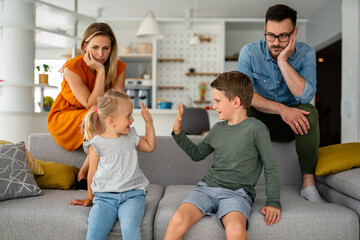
(290, 48)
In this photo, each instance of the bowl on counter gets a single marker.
(164, 105)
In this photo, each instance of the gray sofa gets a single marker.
(172, 175)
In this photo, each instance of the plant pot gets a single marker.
(43, 78)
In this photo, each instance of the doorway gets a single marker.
(328, 95)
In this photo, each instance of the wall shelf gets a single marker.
(170, 60)
(170, 87)
(231, 58)
(201, 74)
(135, 56)
(201, 101)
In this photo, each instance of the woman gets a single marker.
(86, 78)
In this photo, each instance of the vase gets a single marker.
(43, 78)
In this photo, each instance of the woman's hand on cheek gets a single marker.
(92, 63)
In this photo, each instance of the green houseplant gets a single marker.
(44, 77)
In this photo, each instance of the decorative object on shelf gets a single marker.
(141, 70)
(205, 38)
(170, 60)
(163, 104)
(69, 53)
(202, 88)
(44, 77)
(48, 102)
(144, 48)
(126, 49)
(149, 27)
(197, 39)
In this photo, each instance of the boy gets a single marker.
(241, 146)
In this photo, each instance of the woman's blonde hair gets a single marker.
(110, 105)
(103, 29)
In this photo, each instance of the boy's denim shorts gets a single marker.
(219, 200)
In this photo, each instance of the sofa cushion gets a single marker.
(300, 219)
(337, 158)
(57, 175)
(334, 196)
(16, 177)
(346, 182)
(52, 217)
(44, 147)
(34, 165)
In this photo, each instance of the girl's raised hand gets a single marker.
(146, 114)
(178, 120)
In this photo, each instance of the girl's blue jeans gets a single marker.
(128, 206)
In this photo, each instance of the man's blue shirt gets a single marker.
(256, 62)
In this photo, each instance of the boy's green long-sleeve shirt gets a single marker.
(240, 152)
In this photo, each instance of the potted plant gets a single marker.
(44, 77)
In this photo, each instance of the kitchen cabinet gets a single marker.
(140, 81)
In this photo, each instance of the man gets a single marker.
(283, 72)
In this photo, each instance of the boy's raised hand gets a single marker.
(272, 215)
(146, 114)
(178, 120)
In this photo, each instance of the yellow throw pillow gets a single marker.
(57, 175)
(337, 158)
(34, 165)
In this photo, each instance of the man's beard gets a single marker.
(272, 52)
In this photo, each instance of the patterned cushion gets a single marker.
(16, 178)
(34, 164)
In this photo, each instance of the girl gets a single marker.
(86, 78)
(116, 185)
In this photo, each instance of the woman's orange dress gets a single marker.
(67, 112)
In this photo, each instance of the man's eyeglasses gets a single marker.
(282, 37)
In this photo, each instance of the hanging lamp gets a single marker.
(149, 27)
(195, 37)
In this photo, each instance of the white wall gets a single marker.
(239, 34)
(350, 102)
(324, 27)
(16, 126)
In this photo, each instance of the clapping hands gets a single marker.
(146, 114)
(178, 120)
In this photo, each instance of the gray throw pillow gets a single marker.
(16, 177)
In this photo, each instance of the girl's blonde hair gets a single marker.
(103, 29)
(109, 105)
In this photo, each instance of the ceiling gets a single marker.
(176, 8)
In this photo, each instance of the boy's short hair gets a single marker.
(280, 12)
(235, 84)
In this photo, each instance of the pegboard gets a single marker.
(205, 57)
